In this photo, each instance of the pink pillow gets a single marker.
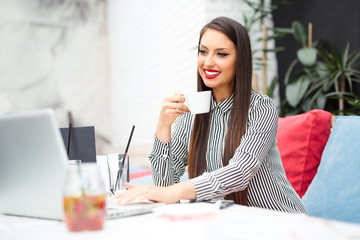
(140, 173)
(301, 140)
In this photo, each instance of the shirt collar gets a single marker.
(224, 106)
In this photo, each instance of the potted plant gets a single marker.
(310, 82)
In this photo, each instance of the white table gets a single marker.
(235, 222)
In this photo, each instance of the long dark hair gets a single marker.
(239, 112)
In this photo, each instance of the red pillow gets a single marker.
(301, 140)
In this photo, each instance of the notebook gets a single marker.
(33, 163)
(82, 143)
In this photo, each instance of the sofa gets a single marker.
(321, 159)
(322, 162)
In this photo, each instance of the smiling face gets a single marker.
(216, 63)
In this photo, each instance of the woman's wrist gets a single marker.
(184, 190)
(163, 133)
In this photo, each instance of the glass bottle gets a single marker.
(84, 198)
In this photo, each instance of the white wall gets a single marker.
(153, 53)
(55, 54)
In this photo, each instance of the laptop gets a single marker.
(133, 208)
(33, 163)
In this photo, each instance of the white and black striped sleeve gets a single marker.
(167, 167)
(254, 147)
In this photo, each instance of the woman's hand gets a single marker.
(172, 107)
(152, 193)
(171, 194)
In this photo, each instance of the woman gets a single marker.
(231, 151)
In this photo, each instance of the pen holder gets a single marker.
(84, 198)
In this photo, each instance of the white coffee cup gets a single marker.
(198, 102)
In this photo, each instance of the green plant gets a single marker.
(303, 88)
(342, 71)
(310, 82)
(260, 14)
(352, 100)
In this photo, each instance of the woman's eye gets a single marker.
(202, 51)
(223, 54)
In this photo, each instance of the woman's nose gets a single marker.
(209, 61)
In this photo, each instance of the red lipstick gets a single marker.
(213, 73)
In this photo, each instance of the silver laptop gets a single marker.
(32, 165)
(33, 162)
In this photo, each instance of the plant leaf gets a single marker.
(296, 89)
(300, 33)
(307, 56)
(284, 30)
(278, 49)
(271, 88)
(306, 106)
(290, 71)
(345, 55)
(321, 101)
(354, 57)
(338, 93)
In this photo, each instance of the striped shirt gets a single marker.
(256, 163)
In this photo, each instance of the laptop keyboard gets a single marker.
(117, 211)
